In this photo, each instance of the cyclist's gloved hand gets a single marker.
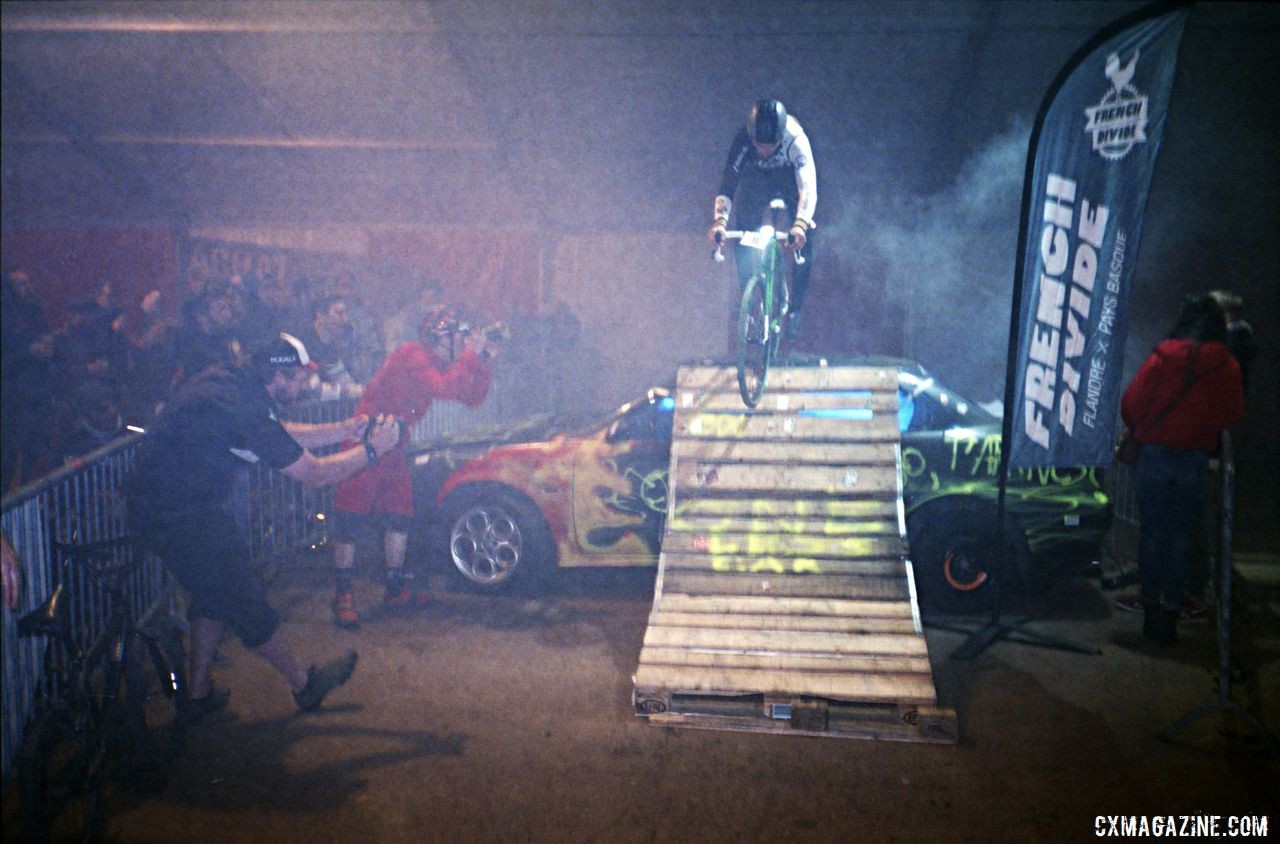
(796, 238)
(715, 234)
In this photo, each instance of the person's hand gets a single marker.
(151, 303)
(715, 234)
(354, 427)
(10, 572)
(384, 435)
(796, 239)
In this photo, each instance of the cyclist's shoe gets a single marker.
(322, 680)
(344, 611)
(791, 332)
(191, 710)
(398, 595)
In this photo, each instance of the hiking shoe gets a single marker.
(192, 709)
(344, 611)
(1131, 602)
(322, 680)
(1193, 610)
(1160, 625)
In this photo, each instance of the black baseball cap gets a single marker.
(285, 352)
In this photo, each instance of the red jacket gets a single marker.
(413, 376)
(1214, 401)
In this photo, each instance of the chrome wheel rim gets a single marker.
(486, 544)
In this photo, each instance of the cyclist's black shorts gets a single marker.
(210, 558)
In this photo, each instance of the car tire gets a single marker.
(495, 539)
(953, 555)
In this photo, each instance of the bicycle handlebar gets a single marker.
(784, 237)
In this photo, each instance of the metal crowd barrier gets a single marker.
(84, 502)
(80, 503)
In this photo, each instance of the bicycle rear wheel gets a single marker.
(754, 342)
(61, 769)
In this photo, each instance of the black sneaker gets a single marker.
(191, 710)
(322, 680)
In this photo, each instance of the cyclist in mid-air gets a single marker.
(770, 158)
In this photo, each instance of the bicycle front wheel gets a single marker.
(155, 682)
(754, 341)
(61, 769)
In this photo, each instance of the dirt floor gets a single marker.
(509, 719)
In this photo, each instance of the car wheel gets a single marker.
(496, 539)
(953, 554)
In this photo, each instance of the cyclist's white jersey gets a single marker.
(793, 159)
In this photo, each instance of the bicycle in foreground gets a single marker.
(763, 309)
(103, 707)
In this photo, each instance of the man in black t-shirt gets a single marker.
(183, 476)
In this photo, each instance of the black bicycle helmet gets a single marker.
(767, 121)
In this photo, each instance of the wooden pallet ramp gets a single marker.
(784, 599)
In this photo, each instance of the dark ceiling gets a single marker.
(493, 113)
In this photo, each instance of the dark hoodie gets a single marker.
(1214, 401)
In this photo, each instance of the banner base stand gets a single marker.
(996, 629)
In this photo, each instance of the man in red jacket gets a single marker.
(1182, 398)
(413, 376)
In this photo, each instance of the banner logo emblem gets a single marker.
(1120, 120)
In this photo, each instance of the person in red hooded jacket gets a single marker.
(1184, 395)
(449, 364)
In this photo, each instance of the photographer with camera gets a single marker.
(451, 362)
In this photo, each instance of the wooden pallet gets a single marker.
(784, 599)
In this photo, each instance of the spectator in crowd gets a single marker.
(300, 315)
(1179, 402)
(182, 475)
(27, 382)
(206, 336)
(330, 336)
(403, 326)
(366, 335)
(154, 358)
(90, 420)
(414, 376)
(1240, 340)
(278, 304)
(91, 344)
(256, 321)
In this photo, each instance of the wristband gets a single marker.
(372, 455)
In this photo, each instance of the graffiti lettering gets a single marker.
(751, 565)
(718, 424)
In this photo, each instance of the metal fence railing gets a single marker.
(80, 503)
(84, 502)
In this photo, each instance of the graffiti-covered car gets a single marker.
(549, 495)
(950, 473)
